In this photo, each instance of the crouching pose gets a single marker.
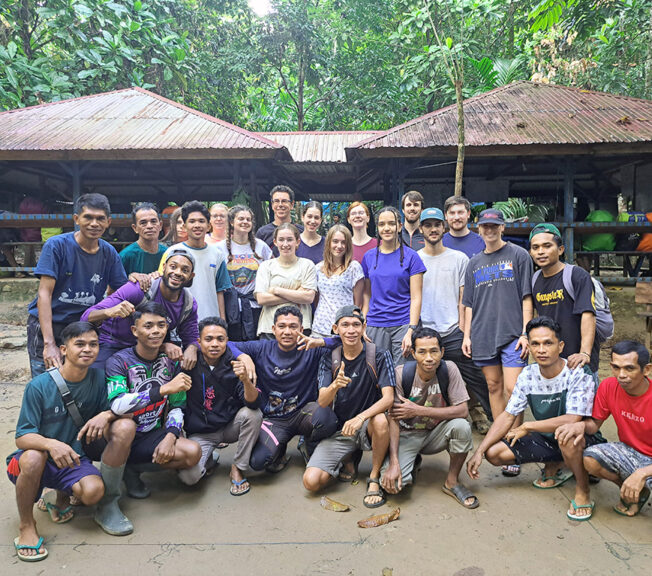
(428, 417)
(55, 452)
(627, 396)
(358, 382)
(221, 406)
(556, 395)
(143, 382)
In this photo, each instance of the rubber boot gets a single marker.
(108, 514)
(136, 488)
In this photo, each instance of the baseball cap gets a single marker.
(349, 312)
(432, 214)
(184, 253)
(543, 228)
(491, 216)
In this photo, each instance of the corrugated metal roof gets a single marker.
(526, 113)
(318, 146)
(132, 123)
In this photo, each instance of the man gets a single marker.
(556, 395)
(282, 201)
(221, 406)
(458, 211)
(360, 395)
(442, 309)
(627, 396)
(144, 384)
(114, 313)
(428, 417)
(51, 447)
(412, 205)
(287, 374)
(576, 316)
(75, 270)
(144, 255)
(211, 276)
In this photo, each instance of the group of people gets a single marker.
(157, 357)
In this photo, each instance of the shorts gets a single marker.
(62, 479)
(330, 452)
(35, 343)
(537, 447)
(507, 356)
(144, 444)
(620, 459)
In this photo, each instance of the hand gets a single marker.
(577, 360)
(567, 432)
(144, 280)
(524, 345)
(189, 357)
(95, 427)
(249, 367)
(341, 380)
(308, 343)
(632, 486)
(352, 426)
(52, 356)
(272, 290)
(404, 410)
(180, 383)
(473, 465)
(63, 455)
(406, 343)
(122, 310)
(365, 337)
(240, 371)
(172, 351)
(516, 434)
(164, 452)
(466, 346)
(392, 480)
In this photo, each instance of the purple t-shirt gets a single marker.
(117, 331)
(390, 285)
(470, 244)
(313, 253)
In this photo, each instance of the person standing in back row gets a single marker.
(282, 200)
(458, 212)
(412, 205)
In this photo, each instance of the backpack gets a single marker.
(188, 300)
(410, 370)
(370, 358)
(604, 321)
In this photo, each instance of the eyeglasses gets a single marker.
(277, 201)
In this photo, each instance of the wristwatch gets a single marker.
(413, 326)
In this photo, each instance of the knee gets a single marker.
(193, 453)
(494, 385)
(495, 455)
(571, 450)
(190, 476)
(260, 457)
(324, 424)
(378, 425)
(591, 465)
(312, 480)
(92, 490)
(32, 462)
(123, 431)
(251, 418)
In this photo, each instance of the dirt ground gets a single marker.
(279, 529)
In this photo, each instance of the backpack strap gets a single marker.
(188, 301)
(407, 377)
(567, 279)
(68, 400)
(336, 359)
(443, 379)
(370, 358)
(535, 276)
(153, 289)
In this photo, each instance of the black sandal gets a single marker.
(378, 492)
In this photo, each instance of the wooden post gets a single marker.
(569, 177)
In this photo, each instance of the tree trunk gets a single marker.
(648, 62)
(459, 168)
(300, 108)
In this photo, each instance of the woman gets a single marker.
(177, 232)
(312, 244)
(358, 216)
(393, 285)
(340, 280)
(285, 280)
(219, 222)
(244, 253)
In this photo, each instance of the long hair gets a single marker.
(171, 237)
(399, 236)
(329, 266)
(252, 239)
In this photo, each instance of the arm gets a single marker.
(328, 393)
(117, 305)
(528, 313)
(575, 431)
(407, 409)
(298, 296)
(587, 334)
(461, 311)
(51, 352)
(351, 427)
(220, 305)
(466, 342)
(550, 425)
(269, 299)
(358, 293)
(250, 396)
(392, 480)
(366, 297)
(62, 454)
(498, 429)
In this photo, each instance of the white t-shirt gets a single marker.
(334, 292)
(301, 274)
(441, 289)
(244, 265)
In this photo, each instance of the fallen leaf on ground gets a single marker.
(329, 504)
(380, 519)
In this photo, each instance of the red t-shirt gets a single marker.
(360, 251)
(632, 414)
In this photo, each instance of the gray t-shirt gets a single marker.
(441, 290)
(494, 288)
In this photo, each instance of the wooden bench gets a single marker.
(632, 262)
(643, 295)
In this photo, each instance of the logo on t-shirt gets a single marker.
(492, 272)
(281, 371)
(632, 417)
(550, 298)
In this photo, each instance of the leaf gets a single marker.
(138, 5)
(82, 74)
(11, 76)
(12, 48)
(380, 519)
(449, 42)
(329, 504)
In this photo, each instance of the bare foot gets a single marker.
(239, 484)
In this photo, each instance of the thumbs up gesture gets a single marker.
(341, 380)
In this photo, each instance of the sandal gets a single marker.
(560, 478)
(642, 499)
(378, 492)
(511, 470)
(57, 515)
(235, 484)
(347, 476)
(33, 557)
(461, 493)
(577, 507)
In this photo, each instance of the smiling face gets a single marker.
(177, 272)
(286, 242)
(412, 210)
(628, 372)
(491, 233)
(196, 225)
(148, 224)
(242, 222)
(286, 330)
(358, 218)
(219, 216)
(81, 351)
(428, 354)
(350, 329)
(544, 250)
(457, 217)
(545, 347)
(182, 234)
(150, 331)
(312, 219)
(212, 342)
(432, 230)
(281, 206)
(338, 245)
(388, 227)
(92, 222)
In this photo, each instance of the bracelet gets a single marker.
(585, 354)
(361, 418)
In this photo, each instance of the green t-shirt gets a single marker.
(135, 259)
(43, 411)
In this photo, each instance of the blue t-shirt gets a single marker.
(470, 244)
(135, 259)
(390, 285)
(314, 253)
(43, 411)
(81, 278)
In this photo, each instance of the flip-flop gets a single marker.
(577, 507)
(346, 476)
(378, 492)
(560, 478)
(235, 484)
(461, 493)
(35, 557)
(279, 465)
(511, 470)
(50, 503)
(642, 499)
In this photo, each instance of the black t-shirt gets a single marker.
(551, 299)
(362, 391)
